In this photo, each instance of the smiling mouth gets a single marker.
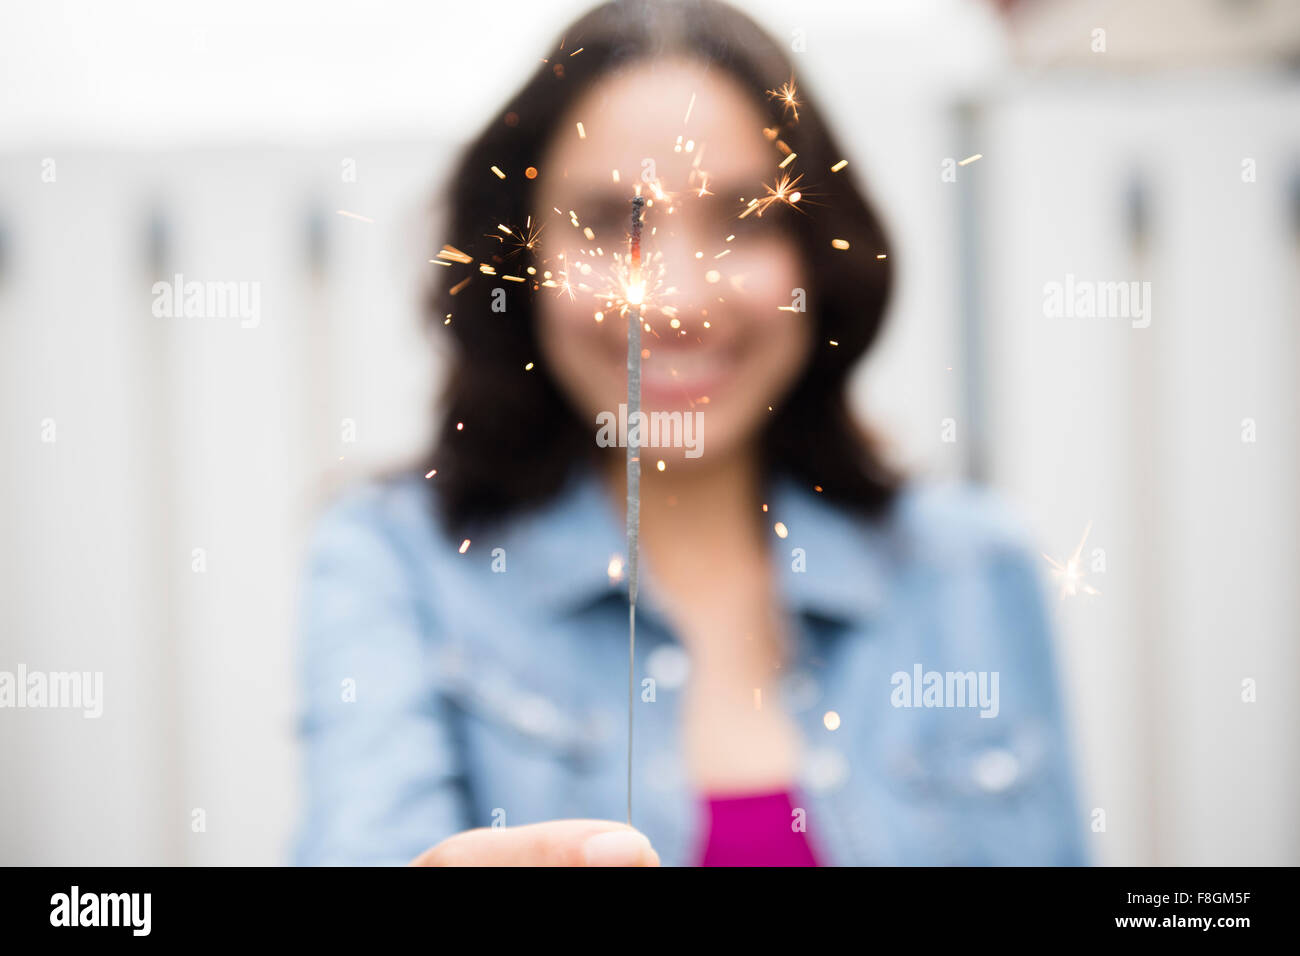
(690, 371)
(676, 374)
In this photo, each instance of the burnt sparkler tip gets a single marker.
(638, 208)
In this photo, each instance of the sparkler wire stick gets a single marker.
(635, 295)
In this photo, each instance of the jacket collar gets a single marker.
(564, 550)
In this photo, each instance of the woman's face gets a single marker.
(718, 341)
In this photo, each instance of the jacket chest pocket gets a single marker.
(974, 765)
(518, 704)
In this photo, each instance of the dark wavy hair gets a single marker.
(522, 437)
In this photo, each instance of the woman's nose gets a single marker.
(685, 269)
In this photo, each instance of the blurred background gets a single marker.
(159, 474)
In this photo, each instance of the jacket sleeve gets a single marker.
(381, 775)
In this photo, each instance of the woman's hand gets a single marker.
(554, 843)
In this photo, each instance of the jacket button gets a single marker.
(669, 665)
(996, 769)
(825, 769)
(538, 715)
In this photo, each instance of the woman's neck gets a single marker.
(691, 495)
(698, 517)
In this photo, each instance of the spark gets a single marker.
(582, 132)
(431, 473)
(840, 165)
(786, 93)
(616, 283)
(840, 244)
(499, 174)
(1071, 573)
(782, 191)
(525, 239)
(689, 106)
(780, 529)
(353, 215)
(970, 159)
(455, 255)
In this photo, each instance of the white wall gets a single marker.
(1139, 430)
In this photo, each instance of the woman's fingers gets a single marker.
(554, 843)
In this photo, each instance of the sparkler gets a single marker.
(635, 296)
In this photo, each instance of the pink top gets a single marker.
(754, 830)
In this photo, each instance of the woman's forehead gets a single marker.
(669, 117)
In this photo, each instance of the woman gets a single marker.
(833, 667)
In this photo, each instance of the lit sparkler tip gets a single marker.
(638, 211)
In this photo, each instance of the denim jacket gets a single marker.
(443, 691)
